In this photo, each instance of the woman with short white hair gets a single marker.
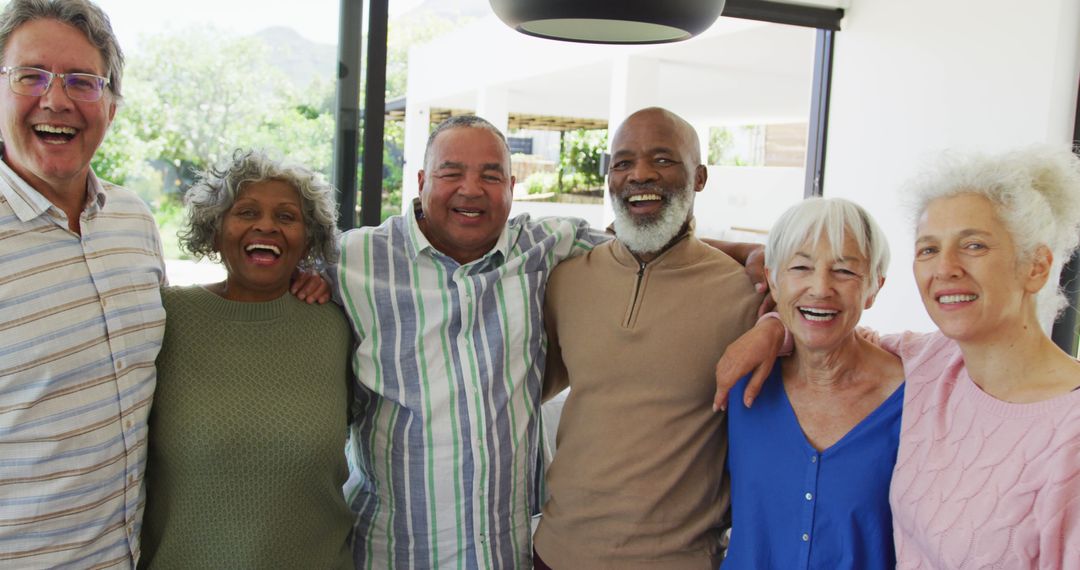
(810, 463)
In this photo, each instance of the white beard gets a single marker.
(652, 236)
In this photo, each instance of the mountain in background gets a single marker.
(301, 60)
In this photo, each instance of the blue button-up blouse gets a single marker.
(795, 507)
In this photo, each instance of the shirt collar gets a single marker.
(28, 203)
(419, 243)
(674, 254)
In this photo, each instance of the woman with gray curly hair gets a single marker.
(249, 418)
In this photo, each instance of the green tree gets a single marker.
(300, 127)
(582, 152)
(214, 92)
(194, 95)
(720, 144)
(132, 142)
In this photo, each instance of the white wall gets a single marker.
(913, 77)
(745, 197)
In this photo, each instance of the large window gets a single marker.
(206, 77)
(214, 76)
(745, 85)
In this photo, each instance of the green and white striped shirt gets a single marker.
(444, 447)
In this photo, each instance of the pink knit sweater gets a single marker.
(981, 483)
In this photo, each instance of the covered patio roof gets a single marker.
(395, 111)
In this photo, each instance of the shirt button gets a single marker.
(128, 424)
(809, 497)
(805, 537)
(813, 459)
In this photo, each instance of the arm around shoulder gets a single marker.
(756, 350)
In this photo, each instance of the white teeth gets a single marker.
(55, 129)
(813, 314)
(468, 214)
(263, 246)
(643, 197)
(949, 299)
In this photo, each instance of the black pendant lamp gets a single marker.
(609, 21)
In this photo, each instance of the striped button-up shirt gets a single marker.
(80, 325)
(443, 449)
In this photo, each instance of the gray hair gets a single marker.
(1035, 192)
(832, 219)
(216, 190)
(81, 14)
(462, 122)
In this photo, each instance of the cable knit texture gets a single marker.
(981, 483)
(247, 436)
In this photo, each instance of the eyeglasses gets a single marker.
(36, 82)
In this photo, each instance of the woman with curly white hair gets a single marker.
(249, 418)
(988, 469)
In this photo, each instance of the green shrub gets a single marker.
(542, 182)
(169, 215)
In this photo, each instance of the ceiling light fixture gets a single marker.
(609, 21)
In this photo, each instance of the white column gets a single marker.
(702, 131)
(492, 104)
(634, 85)
(417, 126)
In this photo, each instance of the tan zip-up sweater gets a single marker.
(637, 479)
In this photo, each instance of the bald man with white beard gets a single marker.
(635, 328)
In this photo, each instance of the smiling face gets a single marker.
(50, 140)
(263, 238)
(654, 174)
(466, 192)
(966, 267)
(819, 297)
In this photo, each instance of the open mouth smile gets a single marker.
(955, 299)
(817, 314)
(638, 200)
(55, 134)
(262, 253)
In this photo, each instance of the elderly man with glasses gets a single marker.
(81, 319)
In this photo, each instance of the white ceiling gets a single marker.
(738, 71)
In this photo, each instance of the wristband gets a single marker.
(789, 345)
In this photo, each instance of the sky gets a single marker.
(316, 21)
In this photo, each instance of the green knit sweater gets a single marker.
(247, 434)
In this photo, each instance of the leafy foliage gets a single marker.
(193, 96)
(582, 153)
